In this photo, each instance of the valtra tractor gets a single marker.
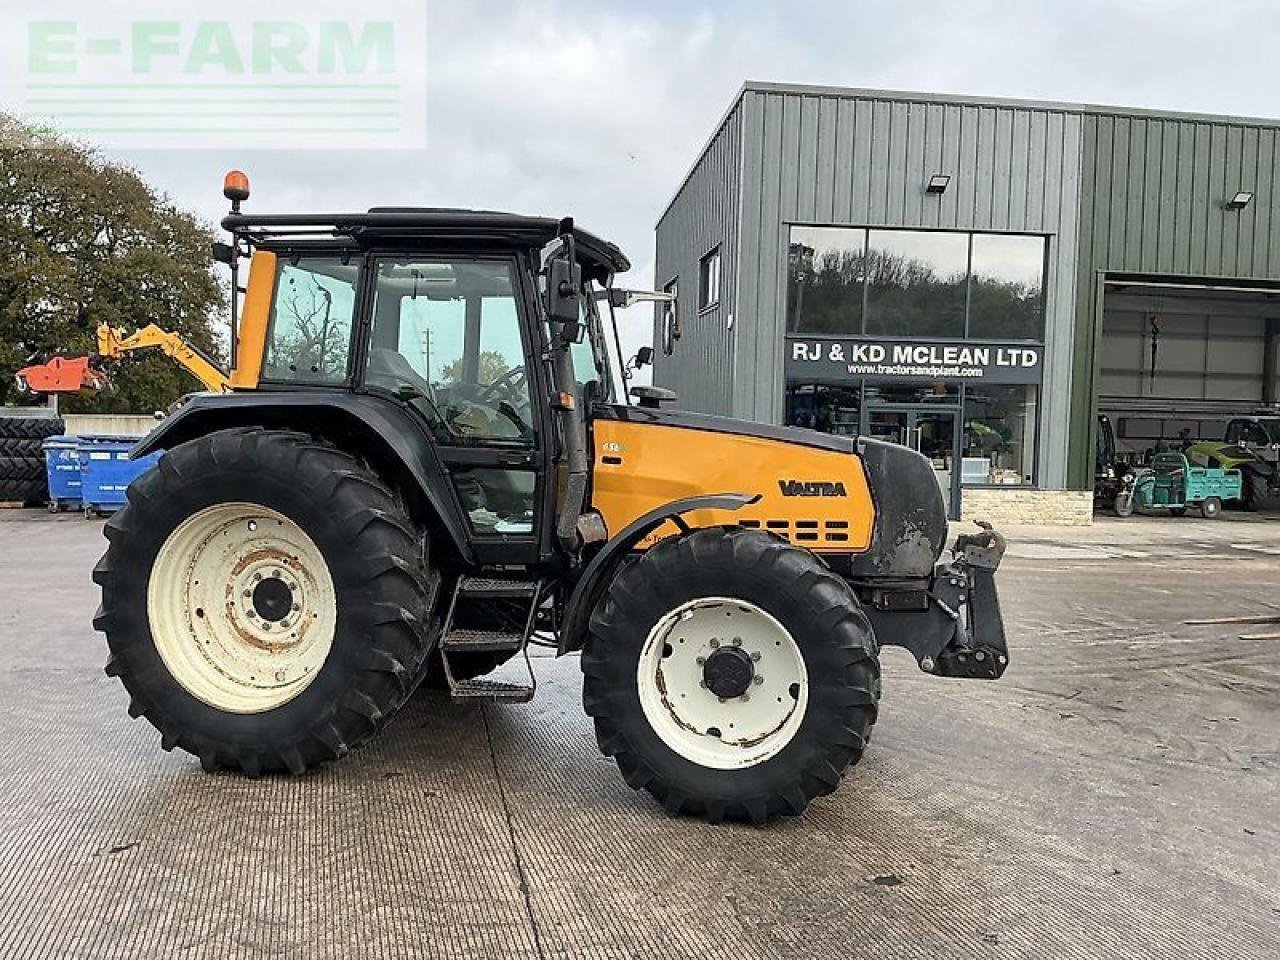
(423, 464)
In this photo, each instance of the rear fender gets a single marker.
(392, 440)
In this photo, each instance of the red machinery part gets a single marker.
(61, 375)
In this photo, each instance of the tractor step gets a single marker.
(481, 689)
(494, 588)
(474, 641)
(489, 615)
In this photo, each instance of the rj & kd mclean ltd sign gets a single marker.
(826, 358)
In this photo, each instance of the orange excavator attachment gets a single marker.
(62, 375)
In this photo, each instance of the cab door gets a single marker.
(450, 338)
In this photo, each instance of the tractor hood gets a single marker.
(886, 521)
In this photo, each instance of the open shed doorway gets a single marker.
(1181, 359)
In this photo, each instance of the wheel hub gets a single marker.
(272, 599)
(728, 672)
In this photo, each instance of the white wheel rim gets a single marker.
(242, 607)
(722, 733)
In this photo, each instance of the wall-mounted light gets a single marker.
(1240, 200)
(937, 183)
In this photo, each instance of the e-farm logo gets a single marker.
(296, 75)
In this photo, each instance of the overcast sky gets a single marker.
(597, 109)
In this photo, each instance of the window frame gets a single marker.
(705, 301)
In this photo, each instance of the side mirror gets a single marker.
(643, 357)
(564, 290)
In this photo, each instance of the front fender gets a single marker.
(370, 426)
(600, 569)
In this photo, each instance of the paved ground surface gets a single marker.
(1116, 795)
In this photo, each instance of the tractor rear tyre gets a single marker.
(731, 675)
(266, 600)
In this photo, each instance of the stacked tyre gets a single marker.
(22, 468)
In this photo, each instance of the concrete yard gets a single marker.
(1116, 795)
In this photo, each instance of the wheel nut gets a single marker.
(737, 641)
(701, 660)
(721, 699)
(758, 681)
(248, 593)
(257, 576)
(702, 684)
(746, 697)
(756, 655)
(297, 607)
(715, 642)
(279, 676)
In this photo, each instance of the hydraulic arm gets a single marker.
(114, 343)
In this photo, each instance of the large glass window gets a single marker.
(309, 332)
(911, 283)
(1006, 291)
(916, 283)
(447, 339)
(825, 269)
(829, 409)
(999, 434)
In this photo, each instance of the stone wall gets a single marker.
(109, 424)
(1016, 505)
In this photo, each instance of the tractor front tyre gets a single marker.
(1255, 490)
(1211, 509)
(265, 600)
(731, 675)
(1124, 504)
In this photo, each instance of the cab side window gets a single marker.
(309, 331)
(446, 338)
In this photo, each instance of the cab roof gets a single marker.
(381, 224)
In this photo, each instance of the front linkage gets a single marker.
(954, 628)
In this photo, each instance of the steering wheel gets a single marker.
(509, 383)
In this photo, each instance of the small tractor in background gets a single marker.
(1252, 446)
(426, 461)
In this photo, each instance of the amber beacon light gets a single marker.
(235, 186)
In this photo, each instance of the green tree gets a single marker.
(491, 366)
(85, 241)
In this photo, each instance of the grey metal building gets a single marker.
(978, 278)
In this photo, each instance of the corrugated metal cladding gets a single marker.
(1116, 191)
(704, 215)
(831, 157)
(1152, 196)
